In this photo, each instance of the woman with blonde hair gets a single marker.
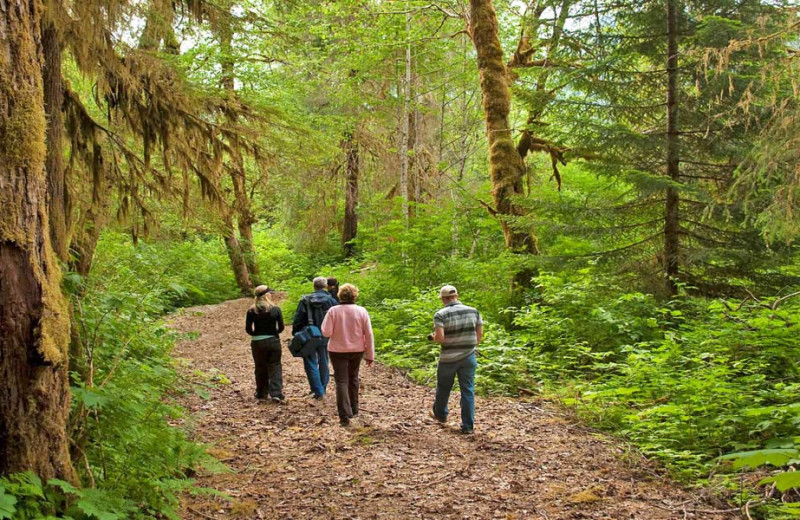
(264, 323)
(350, 331)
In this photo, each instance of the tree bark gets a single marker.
(158, 27)
(506, 166)
(243, 206)
(671, 215)
(404, 132)
(57, 193)
(350, 229)
(240, 272)
(34, 316)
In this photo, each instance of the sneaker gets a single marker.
(278, 400)
(465, 431)
(435, 418)
(344, 423)
(318, 397)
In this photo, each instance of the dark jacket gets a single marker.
(319, 302)
(264, 323)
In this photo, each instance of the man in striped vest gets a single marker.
(459, 329)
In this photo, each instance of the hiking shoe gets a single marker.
(344, 423)
(465, 431)
(435, 418)
(278, 400)
(318, 397)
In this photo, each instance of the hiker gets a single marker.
(316, 363)
(459, 329)
(333, 288)
(264, 323)
(351, 340)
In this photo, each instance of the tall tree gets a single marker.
(34, 317)
(506, 166)
(350, 227)
(224, 27)
(671, 211)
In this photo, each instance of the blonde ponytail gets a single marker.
(263, 301)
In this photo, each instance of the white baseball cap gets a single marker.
(447, 290)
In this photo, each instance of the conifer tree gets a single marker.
(34, 317)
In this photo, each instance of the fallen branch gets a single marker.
(195, 511)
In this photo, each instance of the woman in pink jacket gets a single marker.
(350, 332)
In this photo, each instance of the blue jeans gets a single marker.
(445, 376)
(316, 365)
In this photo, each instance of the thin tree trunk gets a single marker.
(506, 166)
(57, 193)
(404, 133)
(34, 316)
(350, 230)
(671, 220)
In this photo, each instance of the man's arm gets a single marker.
(300, 319)
(479, 332)
(438, 334)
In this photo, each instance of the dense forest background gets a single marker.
(614, 184)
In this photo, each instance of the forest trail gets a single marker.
(525, 460)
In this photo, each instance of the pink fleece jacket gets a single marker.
(349, 330)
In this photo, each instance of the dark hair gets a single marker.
(333, 285)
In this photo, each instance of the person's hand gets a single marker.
(430, 336)
(369, 362)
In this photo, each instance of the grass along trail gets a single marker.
(525, 460)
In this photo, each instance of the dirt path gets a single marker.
(295, 461)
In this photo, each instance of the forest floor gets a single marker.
(526, 459)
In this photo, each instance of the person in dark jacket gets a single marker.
(316, 363)
(333, 288)
(264, 323)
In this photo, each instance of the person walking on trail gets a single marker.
(333, 288)
(350, 331)
(316, 363)
(264, 323)
(459, 329)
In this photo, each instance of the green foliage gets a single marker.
(24, 496)
(685, 381)
(122, 411)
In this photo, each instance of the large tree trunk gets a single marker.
(34, 317)
(244, 213)
(57, 193)
(671, 217)
(506, 166)
(350, 229)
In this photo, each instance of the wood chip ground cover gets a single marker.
(525, 461)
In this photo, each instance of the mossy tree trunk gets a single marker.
(243, 206)
(506, 167)
(350, 229)
(240, 272)
(57, 192)
(34, 316)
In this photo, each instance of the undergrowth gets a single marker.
(687, 381)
